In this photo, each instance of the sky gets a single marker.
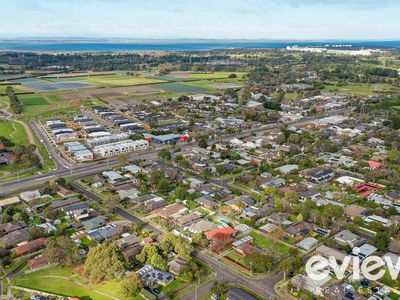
(209, 19)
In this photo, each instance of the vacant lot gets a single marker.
(262, 242)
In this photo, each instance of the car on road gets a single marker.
(156, 291)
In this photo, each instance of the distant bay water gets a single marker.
(173, 46)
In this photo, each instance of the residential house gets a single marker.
(187, 219)
(60, 204)
(152, 276)
(30, 247)
(95, 222)
(37, 262)
(177, 265)
(279, 218)
(15, 237)
(173, 211)
(207, 202)
(287, 168)
(103, 233)
(9, 201)
(364, 251)
(308, 243)
(328, 252)
(315, 287)
(30, 195)
(300, 229)
(309, 194)
(227, 232)
(11, 226)
(347, 238)
(202, 226)
(318, 174)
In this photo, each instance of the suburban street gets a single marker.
(264, 287)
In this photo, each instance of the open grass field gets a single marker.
(359, 88)
(262, 242)
(17, 88)
(32, 99)
(13, 131)
(120, 80)
(66, 282)
(112, 288)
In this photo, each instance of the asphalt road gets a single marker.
(263, 287)
(132, 218)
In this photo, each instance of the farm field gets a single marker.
(216, 84)
(215, 75)
(120, 80)
(17, 88)
(180, 88)
(32, 99)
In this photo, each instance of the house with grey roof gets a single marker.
(103, 233)
(348, 238)
(14, 238)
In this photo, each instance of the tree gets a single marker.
(233, 75)
(382, 240)
(158, 261)
(272, 105)
(203, 143)
(258, 262)
(62, 251)
(137, 136)
(131, 285)
(164, 186)
(219, 288)
(123, 159)
(104, 262)
(164, 153)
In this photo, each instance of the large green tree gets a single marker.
(104, 262)
(62, 251)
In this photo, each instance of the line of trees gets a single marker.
(15, 103)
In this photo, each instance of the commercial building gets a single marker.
(120, 147)
(79, 151)
(103, 140)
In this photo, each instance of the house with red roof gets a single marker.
(226, 232)
(374, 164)
(30, 246)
